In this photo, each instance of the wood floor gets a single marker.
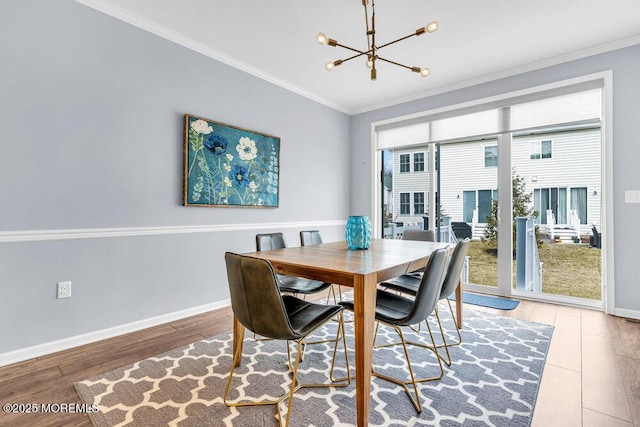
(591, 378)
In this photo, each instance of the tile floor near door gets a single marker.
(592, 374)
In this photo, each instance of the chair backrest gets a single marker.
(269, 241)
(414, 234)
(430, 287)
(310, 237)
(456, 263)
(255, 298)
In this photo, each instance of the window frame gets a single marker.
(537, 151)
(422, 163)
(495, 159)
(405, 204)
(420, 211)
(406, 163)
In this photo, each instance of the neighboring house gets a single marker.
(561, 169)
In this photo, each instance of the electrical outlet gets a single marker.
(64, 290)
(632, 196)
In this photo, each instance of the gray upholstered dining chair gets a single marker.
(289, 284)
(396, 311)
(421, 235)
(310, 237)
(313, 237)
(259, 306)
(410, 284)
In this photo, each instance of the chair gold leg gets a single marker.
(414, 381)
(446, 344)
(295, 384)
(341, 332)
(444, 341)
(457, 327)
(414, 400)
(331, 292)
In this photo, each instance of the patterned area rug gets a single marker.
(493, 381)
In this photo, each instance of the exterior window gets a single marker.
(579, 203)
(540, 150)
(553, 199)
(485, 198)
(405, 203)
(418, 203)
(405, 163)
(468, 205)
(418, 162)
(490, 156)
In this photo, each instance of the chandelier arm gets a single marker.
(398, 40)
(352, 57)
(395, 63)
(354, 50)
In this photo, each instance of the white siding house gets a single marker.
(561, 170)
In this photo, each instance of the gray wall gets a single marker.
(91, 131)
(625, 64)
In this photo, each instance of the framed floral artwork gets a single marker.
(229, 166)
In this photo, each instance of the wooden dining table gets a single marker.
(361, 270)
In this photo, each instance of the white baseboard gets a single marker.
(630, 314)
(91, 337)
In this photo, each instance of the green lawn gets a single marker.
(571, 270)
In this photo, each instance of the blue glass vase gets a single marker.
(358, 232)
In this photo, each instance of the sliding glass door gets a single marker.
(468, 183)
(560, 166)
(522, 180)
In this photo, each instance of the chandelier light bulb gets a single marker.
(425, 72)
(370, 62)
(322, 38)
(329, 66)
(431, 27)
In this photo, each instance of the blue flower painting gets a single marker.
(228, 166)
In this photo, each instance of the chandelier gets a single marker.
(372, 48)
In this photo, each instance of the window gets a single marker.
(540, 150)
(405, 204)
(480, 200)
(485, 198)
(579, 203)
(418, 162)
(554, 200)
(490, 156)
(405, 163)
(468, 205)
(418, 203)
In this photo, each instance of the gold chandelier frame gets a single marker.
(373, 49)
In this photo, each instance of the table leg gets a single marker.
(459, 304)
(238, 334)
(364, 307)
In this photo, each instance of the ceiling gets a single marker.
(477, 40)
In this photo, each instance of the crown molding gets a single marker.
(561, 59)
(189, 43)
(168, 34)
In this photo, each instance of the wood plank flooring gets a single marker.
(591, 378)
